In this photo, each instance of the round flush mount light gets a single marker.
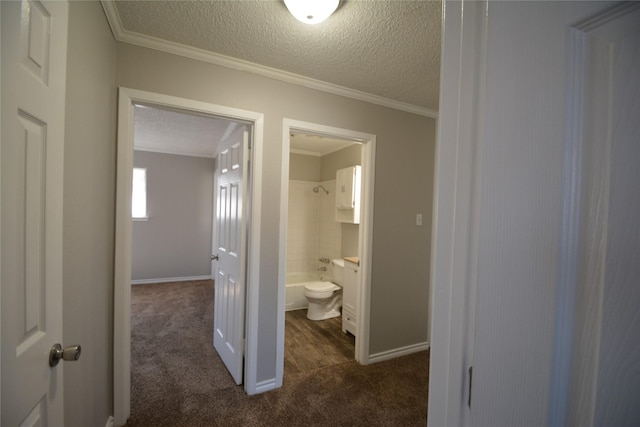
(311, 11)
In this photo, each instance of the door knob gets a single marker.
(71, 353)
(214, 257)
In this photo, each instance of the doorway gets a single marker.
(177, 157)
(174, 151)
(128, 98)
(363, 233)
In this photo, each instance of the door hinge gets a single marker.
(470, 381)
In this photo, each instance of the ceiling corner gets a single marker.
(113, 18)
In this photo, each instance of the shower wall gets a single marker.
(312, 231)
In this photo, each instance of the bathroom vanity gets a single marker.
(350, 295)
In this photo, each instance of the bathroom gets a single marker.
(315, 237)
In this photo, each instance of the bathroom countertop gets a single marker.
(353, 259)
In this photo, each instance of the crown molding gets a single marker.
(122, 35)
(607, 16)
(173, 152)
(305, 153)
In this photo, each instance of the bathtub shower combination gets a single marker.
(321, 297)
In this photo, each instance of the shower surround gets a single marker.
(312, 230)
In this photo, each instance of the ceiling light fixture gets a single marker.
(311, 11)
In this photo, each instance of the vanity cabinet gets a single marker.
(348, 194)
(349, 297)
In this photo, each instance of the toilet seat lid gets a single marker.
(320, 286)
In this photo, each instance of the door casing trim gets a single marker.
(123, 229)
(365, 238)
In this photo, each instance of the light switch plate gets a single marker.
(418, 219)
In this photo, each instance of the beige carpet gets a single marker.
(179, 380)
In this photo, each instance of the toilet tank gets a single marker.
(338, 271)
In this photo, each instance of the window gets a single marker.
(139, 194)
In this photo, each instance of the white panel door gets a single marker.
(528, 186)
(34, 43)
(606, 372)
(230, 236)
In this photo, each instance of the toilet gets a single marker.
(325, 298)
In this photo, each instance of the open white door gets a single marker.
(230, 250)
(537, 240)
(605, 376)
(34, 47)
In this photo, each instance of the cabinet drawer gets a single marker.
(348, 322)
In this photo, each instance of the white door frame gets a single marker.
(456, 223)
(365, 239)
(454, 243)
(122, 267)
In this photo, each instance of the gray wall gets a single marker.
(344, 158)
(350, 235)
(330, 164)
(312, 168)
(403, 180)
(176, 240)
(304, 168)
(89, 203)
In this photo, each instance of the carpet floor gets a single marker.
(179, 380)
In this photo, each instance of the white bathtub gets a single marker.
(294, 290)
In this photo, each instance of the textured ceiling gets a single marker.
(186, 133)
(387, 48)
(175, 132)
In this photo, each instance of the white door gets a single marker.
(537, 238)
(34, 45)
(606, 373)
(230, 249)
(526, 288)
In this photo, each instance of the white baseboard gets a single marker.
(397, 352)
(109, 422)
(169, 279)
(267, 385)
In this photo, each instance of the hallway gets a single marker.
(179, 380)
